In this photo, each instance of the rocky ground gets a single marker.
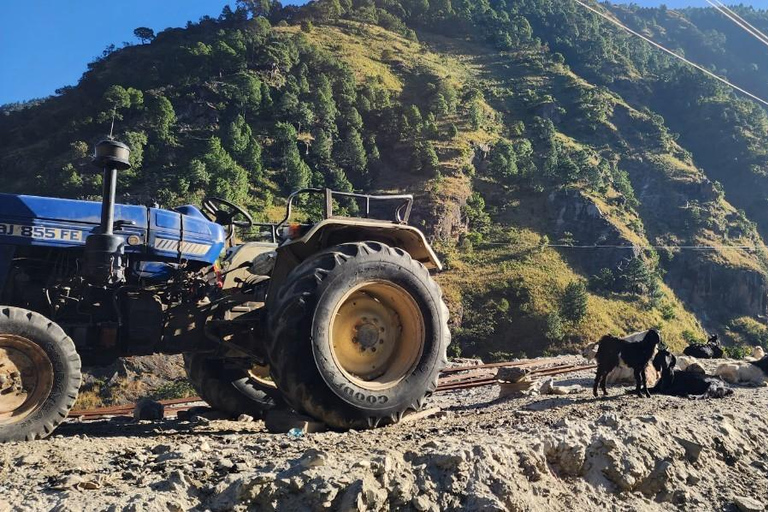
(569, 452)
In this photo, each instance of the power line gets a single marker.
(760, 35)
(677, 56)
(720, 7)
(632, 247)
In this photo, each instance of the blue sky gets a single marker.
(47, 44)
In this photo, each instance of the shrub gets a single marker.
(737, 351)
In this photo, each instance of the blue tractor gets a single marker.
(339, 319)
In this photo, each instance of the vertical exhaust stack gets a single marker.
(104, 250)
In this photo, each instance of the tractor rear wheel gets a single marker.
(358, 335)
(230, 389)
(39, 375)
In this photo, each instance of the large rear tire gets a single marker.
(228, 389)
(39, 375)
(358, 335)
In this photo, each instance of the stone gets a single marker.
(514, 388)
(147, 409)
(313, 458)
(174, 506)
(200, 420)
(747, 504)
(512, 374)
(244, 418)
(5, 506)
(225, 463)
(692, 449)
(609, 420)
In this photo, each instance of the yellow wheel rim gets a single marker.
(26, 378)
(260, 375)
(377, 335)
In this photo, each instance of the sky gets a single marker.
(47, 44)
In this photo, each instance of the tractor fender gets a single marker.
(335, 231)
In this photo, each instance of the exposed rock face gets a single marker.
(705, 285)
(576, 214)
(440, 217)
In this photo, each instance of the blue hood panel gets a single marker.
(157, 234)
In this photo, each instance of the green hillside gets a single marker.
(567, 173)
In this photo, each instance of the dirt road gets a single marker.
(536, 453)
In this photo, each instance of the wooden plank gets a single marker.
(420, 415)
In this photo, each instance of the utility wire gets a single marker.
(760, 35)
(738, 21)
(633, 247)
(677, 56)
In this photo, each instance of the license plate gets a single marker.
(42, 233)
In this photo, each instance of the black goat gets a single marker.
(709, 350)
(676, 382)
(762, 364)
(635, 354)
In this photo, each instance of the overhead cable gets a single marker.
(722, 9)
(631, 247)
(760, 35)
(677, 56)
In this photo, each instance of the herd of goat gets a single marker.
(644, 355)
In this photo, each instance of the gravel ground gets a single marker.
(569, 452)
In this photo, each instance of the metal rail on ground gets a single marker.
(451, 379)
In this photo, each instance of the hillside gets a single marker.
(574, 181)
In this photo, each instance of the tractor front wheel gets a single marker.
(229, 388)
(359, 334)
(39, 375)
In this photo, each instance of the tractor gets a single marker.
(339, 318)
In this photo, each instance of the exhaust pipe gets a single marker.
(104, 250)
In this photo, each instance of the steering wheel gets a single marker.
(224, 212)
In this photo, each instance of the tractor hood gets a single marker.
(182, 233)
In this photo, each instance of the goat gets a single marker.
(757, 354)
(622, 374)
(635, 354)
(709, 350)
(752, 373)
(676, 382)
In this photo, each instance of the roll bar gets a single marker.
(402, 212)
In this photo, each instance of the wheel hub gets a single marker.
(26, 377)
(367, 336)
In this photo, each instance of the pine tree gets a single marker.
(503, 161)
(297, 172)
(227, 179)
(573, 304)
(162, 117)
(476, 115)
(352, 155)
(322, 148)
